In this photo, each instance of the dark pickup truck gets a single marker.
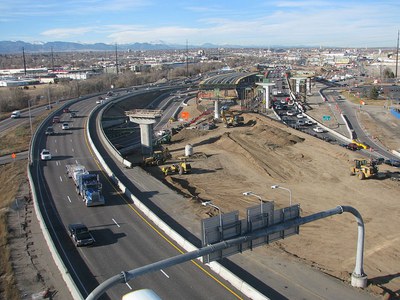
(80, 235)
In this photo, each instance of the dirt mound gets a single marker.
(252, 158)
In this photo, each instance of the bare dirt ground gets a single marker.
(255, 157)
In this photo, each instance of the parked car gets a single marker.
(65, 126)
(353, 147)
(318, 129)
(393, 162)
(45, 155)
(80, 234)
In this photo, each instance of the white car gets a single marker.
(45, 154)
(290, 113)
(318, 129)
(300, 116)
(65, 126)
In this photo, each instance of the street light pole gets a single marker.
(209, 203)
(255, 195)
(286, 189)
(30, 118)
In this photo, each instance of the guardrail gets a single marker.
(42, 223)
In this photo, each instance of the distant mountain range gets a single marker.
(17, 46)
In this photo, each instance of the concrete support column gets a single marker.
(145, 118)
(267, 88)
(146, 134)
(308, 86)
(216, 109)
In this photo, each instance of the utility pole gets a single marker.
(116, 58)
(23, 55)
(187, 59)
(52, 59)
(397, 54)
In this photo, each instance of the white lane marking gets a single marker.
(128, 285)
(69, 199)
(73, 150)
(56, 150)
(55, 141)
(60, 178)
(115, 222)
(71, 140)
(76, 162)
(162, 271)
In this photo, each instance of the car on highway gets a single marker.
(45, 155)
(66, 110)
(49, 131)
(56, 119)
(291, 112)
(72, 115)
(309, 122)
(80, 234)
(300, 122)
(300, 116)
(65, 126)
(318, 129)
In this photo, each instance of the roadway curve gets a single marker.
(125, 239)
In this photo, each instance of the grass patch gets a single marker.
(18, 140)
(12, 176)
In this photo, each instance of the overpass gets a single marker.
(228, 86)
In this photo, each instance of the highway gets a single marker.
(349, 109)
(124, 238)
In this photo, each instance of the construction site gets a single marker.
(245, 152)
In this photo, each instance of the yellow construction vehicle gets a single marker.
(231, 119)
(364, 168)
(181, 168)
(158, 158)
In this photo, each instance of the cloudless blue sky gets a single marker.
(344, 23)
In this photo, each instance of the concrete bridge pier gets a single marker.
(267, 90)
(216, 109)
(145, 118)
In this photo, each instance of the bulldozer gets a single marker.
(364, 168)
(158, 158)
(231, 119)
(181, 168)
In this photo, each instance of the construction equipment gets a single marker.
(181, 168)
(163, 139)
(158, 158)
(231, 119)
(364, 168)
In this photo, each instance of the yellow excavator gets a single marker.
(231, 119)
(364, 168)
(181, 168)
(158, 158)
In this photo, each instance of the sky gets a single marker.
(266, 23)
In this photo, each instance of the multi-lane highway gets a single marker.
(124, 238)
